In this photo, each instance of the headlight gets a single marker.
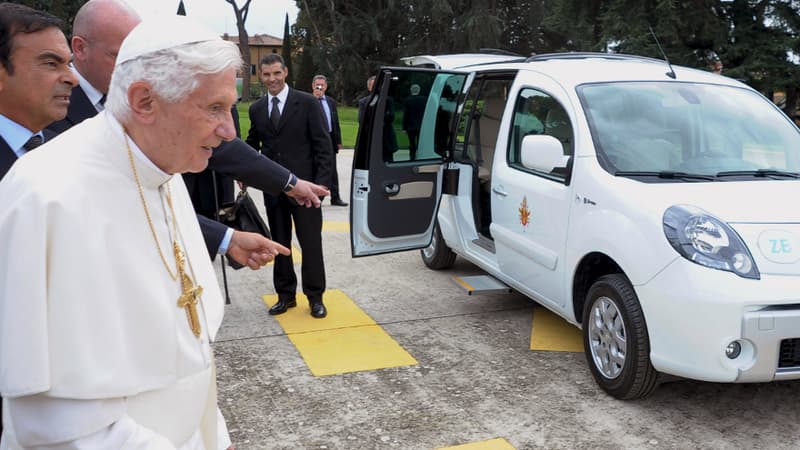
(703, 239)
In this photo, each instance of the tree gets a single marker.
(244, 44)
(286, 51)
(63, 9)
(758, 41)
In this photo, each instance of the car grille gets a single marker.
(790, 353)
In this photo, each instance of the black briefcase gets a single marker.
(243, 215)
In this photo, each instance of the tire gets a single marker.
(437, 255)
(616, 341)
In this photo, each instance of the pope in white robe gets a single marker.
(95, 350)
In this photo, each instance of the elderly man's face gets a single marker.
(37, 93)
(191, 128)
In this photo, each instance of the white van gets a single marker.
(653, 206)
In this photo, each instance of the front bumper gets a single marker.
(693, 313)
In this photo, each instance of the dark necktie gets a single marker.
(33, 142)
(103, 100)
(275, 115)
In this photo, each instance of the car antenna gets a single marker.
(671, 72)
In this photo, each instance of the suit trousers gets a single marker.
(281, 211)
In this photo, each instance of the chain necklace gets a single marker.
(174, 276)
(190, 295)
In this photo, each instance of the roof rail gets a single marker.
(585, 55)
(498, 51)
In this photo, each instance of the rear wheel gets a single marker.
(615, 339)
(438, 255)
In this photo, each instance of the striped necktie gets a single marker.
(35, 141)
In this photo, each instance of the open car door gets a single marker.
(405, 136)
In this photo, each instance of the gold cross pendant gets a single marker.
(188, 300)
(191, 293)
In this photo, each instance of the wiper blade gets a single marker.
(668, 174)
(759, 173)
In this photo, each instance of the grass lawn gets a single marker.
(348, 121)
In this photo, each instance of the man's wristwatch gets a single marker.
(290, 184)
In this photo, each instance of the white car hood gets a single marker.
(765, 213)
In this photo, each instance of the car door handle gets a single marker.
(391, 189)
(499, 191)
(431, 168)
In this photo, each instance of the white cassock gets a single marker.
(94, 351)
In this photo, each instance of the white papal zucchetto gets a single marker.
(160, 34)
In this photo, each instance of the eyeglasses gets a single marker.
(318, 87)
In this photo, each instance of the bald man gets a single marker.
(98, 31)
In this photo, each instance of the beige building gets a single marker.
(260, 46)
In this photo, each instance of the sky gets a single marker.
(266, 16)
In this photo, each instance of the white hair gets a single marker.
(172, 73)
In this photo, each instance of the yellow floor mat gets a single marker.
(347, 340)
(552, 333)
(343, 227)
(493, 444)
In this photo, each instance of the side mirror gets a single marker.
(542, 153)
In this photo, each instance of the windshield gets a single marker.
(686, 128)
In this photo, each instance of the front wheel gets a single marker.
(615, 339)
(438, 255)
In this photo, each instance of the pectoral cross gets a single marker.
(191, 293)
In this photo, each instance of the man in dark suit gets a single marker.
(99, 28)
(389, 138)
(288, 126)
(35, 81)
(362, 102)
(319, 85)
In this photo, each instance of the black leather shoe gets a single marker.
(318, 310)
(282, 306)
(338, 202)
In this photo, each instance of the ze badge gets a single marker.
(779, 246)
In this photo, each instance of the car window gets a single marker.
(536, 112)
(419, 115)
(479, 124)
(687, 127)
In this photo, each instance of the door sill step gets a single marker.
(484, 243)
(482, 284)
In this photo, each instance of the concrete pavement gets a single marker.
(475, 380)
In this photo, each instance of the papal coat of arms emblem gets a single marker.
(524, 213)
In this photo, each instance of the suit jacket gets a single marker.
(233, 158)
(241, 161)
(7, 157)
(336, 130)
(301, 142)
(362, 106)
